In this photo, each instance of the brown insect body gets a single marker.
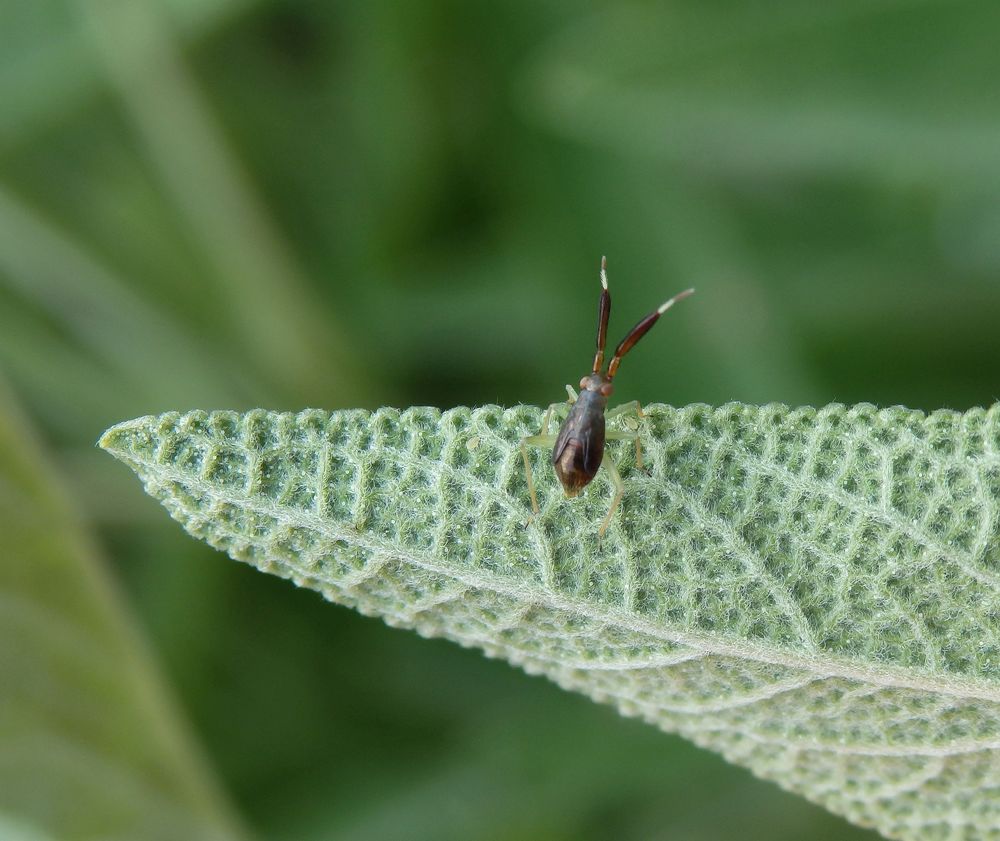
(579, 447)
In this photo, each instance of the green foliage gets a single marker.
(811, 593)
(91, 746)
(290, 203)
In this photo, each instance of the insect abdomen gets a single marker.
(577, 454)
(571, 468)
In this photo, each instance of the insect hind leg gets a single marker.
(542, 440)
(619, 486)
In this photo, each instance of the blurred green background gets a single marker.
(284, 203)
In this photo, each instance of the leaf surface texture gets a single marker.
(810, 592)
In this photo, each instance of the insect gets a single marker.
(578, 449)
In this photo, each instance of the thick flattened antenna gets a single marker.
(603, 314)
(641, 329)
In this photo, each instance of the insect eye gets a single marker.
(584, 381)
(607, 389)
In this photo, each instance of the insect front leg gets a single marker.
(625, 408)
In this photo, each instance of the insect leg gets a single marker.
(554, 408)
(619, 435)
(631, 406)
(534, 441)
(621, 410)
(619, 485)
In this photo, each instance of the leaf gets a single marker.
(811, 593)
(90, 746)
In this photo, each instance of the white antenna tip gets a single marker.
(604, 272)
(680, 296)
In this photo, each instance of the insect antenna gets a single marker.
(603, 314)
(640, 330)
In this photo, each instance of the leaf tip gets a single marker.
(128, 439)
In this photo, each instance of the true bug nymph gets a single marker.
(578, 449)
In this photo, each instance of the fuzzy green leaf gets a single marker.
(811, 593)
